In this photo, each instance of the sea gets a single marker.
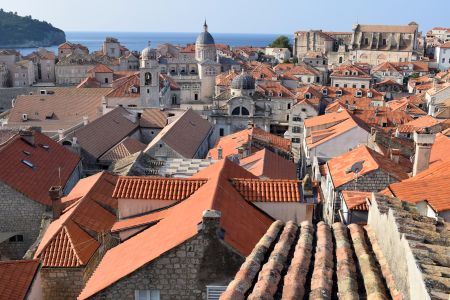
(136, 41)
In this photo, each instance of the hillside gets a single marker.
(17, 31)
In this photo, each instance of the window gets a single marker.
(236, 111)
(195, 96)
(366, 41)
(295, 140)
(146, 295)
(213, 292)
(345, 85)
(303, 109)
(245, 111)
(289, 106)
(221, 132)
(340, 59)
(443, 60)
(16, 238)
(148, 78)
(384, 42)
(106, 80)
(296, 119)
(174, 99)
(363, 86)
(296, 129)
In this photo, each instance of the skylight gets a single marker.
(27, 163)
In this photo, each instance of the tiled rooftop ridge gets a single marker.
(271, 190)
(129, 187)
(270, 274)
(313, 262)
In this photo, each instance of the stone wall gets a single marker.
(183, 272)
(371, 182)
(18, 214)
(62, 283)
(7, 94)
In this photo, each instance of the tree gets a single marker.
(281, 42)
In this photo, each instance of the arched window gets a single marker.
(340, 59)
(148, 78)
(245, 111)
(236, 111)
(195, 96)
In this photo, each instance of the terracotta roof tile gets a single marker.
(140, 187)
(440, 149)
(63, 109)
(100, 68)
(430, 185)
(153, 118)
(318, 137)
(52, 165)
(339, 166)
(66, 242)
(124, 87)
(266, 164)
(125, 148)
(146, 219)
(104, 133)
(256, 190)
(16, 278)
(243, 227)
(185, 134)
(232, 142)
(356, 200)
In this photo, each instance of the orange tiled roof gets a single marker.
(52, 165)
(146, 219)
(156, 188)
(267, 164)
(66, 242)
(232, 142)
(271, 190)
(440, 149)
(318, 137)
(332, 118)
(243, 227)
(431, 185)
(100, 68)
(16, 278)
(339, 166)
(356, 200)
(124, 87)
(348, 70)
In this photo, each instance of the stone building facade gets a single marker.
(184, 272)
(375, 44)
(374, 181)
(20, 217)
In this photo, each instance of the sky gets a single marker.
(230, 16)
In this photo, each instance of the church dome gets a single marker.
(205, 38)
(148, 53)
(243, 82)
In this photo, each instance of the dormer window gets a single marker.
(369, 94)
(339, 93)
(355, 73)
(308, 96)
(324, 92)
(280, 94)
(346, 73)
(358, 93)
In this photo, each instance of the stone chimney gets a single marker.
(60, 134)
(85, 120)
(219, 153)
(211, 221)
(27, 136)
(55, 194)
(395, 155)
(424, 142)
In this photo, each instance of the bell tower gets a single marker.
(149, 77)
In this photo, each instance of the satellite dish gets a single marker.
(356, 167)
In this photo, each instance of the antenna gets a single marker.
(59, 175)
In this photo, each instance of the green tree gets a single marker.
(281, 42)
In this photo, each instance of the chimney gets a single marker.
(395, 155)
(424, 142)
(219, 153)
(211, 221)
(55, 194)
(85, 120)
(27, 136)
(60, 134)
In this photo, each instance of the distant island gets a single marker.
(22, 32)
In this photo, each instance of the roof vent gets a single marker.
(27, 163)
